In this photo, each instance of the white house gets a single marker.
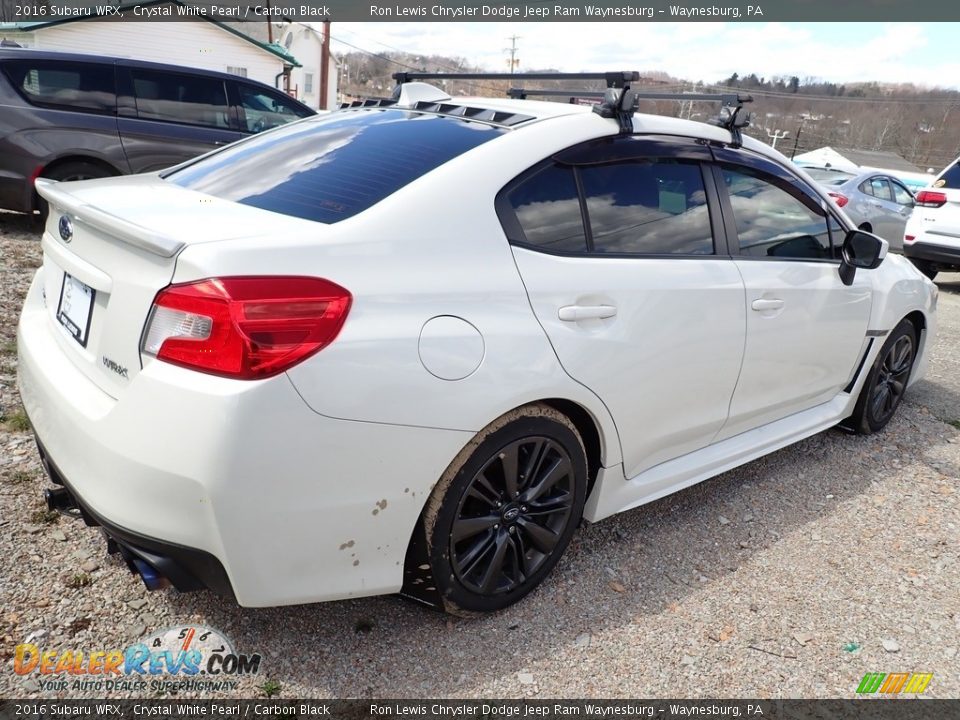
(204, 43)
(305, 43)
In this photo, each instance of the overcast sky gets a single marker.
(923, 53)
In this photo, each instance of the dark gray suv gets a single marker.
(72, 117)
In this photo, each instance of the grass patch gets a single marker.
(955, 423)
(20, 476)
(18, 422)
(45, 517)
(80, 580)
(8, 347)
(270, 688)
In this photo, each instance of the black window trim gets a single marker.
(514, 231)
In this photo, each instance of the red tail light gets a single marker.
(931, 198)
(245, 327)
(839, 198)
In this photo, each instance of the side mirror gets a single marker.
(860, 250)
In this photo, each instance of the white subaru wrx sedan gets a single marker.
(407, 346)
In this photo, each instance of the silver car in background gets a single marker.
(876, 202)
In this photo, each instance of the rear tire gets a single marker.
(505, 510)
(885, 385)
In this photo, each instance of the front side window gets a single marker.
(177, 98)
(85, 87)
(772, 222)
(265, 110)
(647, 208)
(901, 196)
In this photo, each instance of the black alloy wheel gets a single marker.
(505, 510)
(512, 516)
(885, 385)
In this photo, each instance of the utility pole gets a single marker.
(513, 61)
(325, 66)
(777, 135)
(796, 140)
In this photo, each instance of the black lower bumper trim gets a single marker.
(939, 255)
(186, 568)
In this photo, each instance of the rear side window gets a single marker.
(336, 166)
(548, 209)
(648, 208)
(950, 177)
(84, 87)
(179, 98)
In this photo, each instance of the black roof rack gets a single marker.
(617, 79)
(618, 101)
(621, 104)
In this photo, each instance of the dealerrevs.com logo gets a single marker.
(184, 658)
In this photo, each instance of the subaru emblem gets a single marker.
(66, 228)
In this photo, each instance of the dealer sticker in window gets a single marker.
(76, 308)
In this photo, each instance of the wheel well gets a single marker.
(919, 322)
(866, 227)
(60, 162)
(588, 433)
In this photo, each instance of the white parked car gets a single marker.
(407, 347)
(932, 235)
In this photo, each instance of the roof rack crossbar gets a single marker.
(524, 93)
(617, 79)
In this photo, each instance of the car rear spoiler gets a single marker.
(128, 232)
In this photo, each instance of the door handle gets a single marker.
(767, 304)
(574, 313)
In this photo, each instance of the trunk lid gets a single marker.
(102, 267)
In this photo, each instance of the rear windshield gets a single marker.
(950, 177)
(331, 168)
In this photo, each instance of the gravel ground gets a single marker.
(789, 577)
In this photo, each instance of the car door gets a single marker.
(615, 243)
(168, 117)
(806, 330)
(879, 207)
(904, 202)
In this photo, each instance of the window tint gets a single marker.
(773, 223)
(866, 188)
(334, 166)
(901, 195)
(648, 208)
(548, 208)
(880, 189)
(72, 86)
(265, 110)
(950, 177)
(181, 98)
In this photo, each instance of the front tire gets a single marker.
(505, 510)
(887, 381)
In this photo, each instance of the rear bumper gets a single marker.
(213, 473)
(930, 252)
(186, 568)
